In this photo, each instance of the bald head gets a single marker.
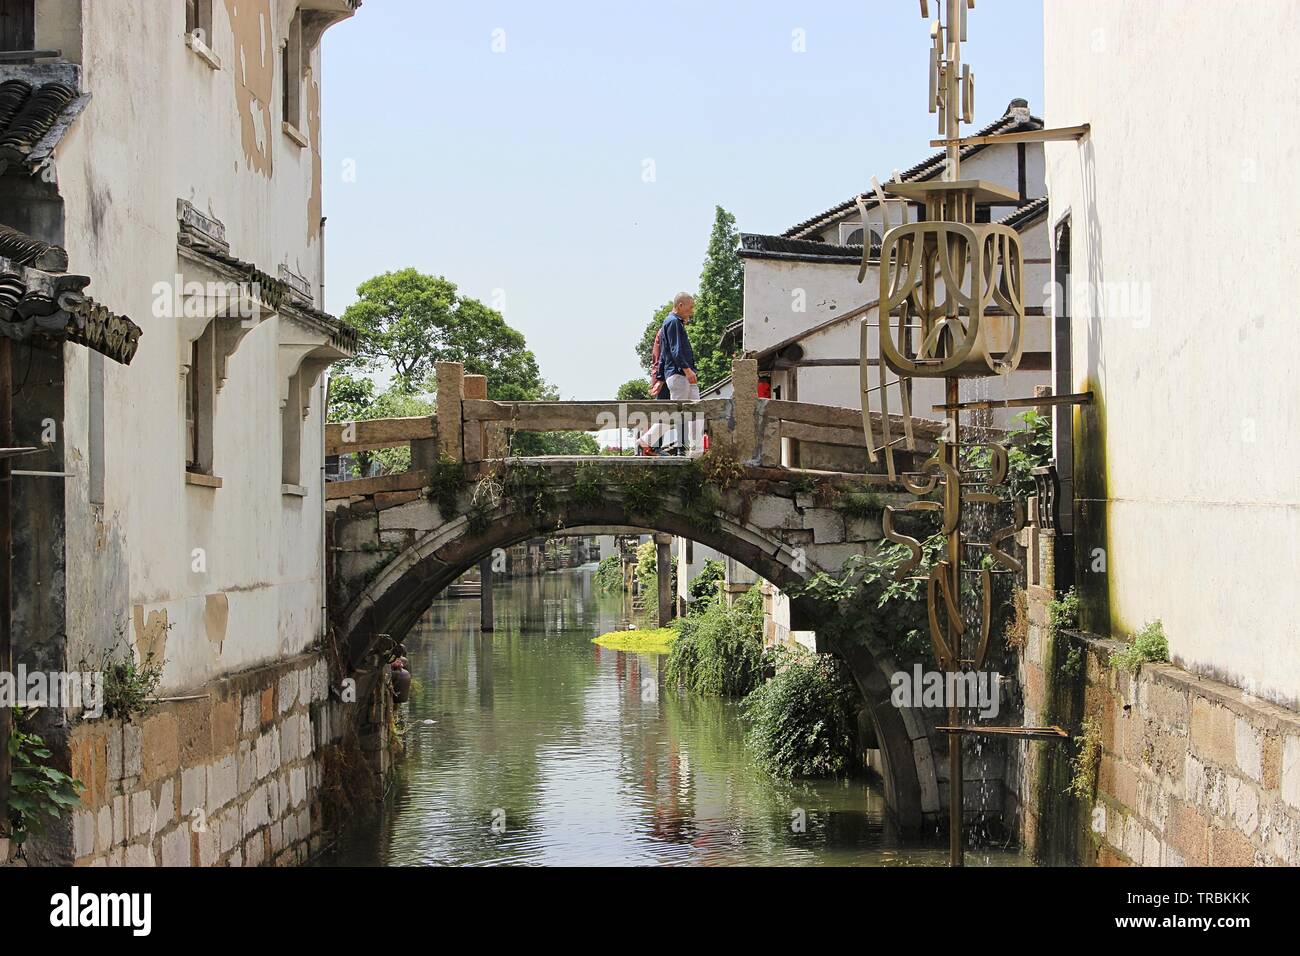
(684, 305)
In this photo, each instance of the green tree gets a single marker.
(350, 397)
(408, 321)
(638, 389)
(720, 300)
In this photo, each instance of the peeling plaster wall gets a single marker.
(1184, 221)
(221, 579)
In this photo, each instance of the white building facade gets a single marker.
(192, 529)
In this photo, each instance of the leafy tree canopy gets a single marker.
(408, 321)
(634, 391)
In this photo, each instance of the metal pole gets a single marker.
(952, 113)
(6, 550)
(956, 844)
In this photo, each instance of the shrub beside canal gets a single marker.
(719, 651)
(803, 721)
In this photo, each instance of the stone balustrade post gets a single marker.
(744, 399)
(475, 387)
(449, 378)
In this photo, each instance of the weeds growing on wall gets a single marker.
(701, 500)
(803, 721)
(349, 787)
(1017, 630)
(529, 490)
(642, 493)
(39, 793)
(1086, 760)
(129, 687)
(865, 600)
(1063, 613)
(719, 652)
(1149, 646)
(446, 480)
(589, 487)
(1075, 662)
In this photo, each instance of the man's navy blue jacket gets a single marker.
(676, 356)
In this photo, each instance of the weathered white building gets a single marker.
(1173, 223)
(1188, 464)
(805, 310)
(190, 530)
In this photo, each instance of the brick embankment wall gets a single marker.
(1192, 771)
(231, 778)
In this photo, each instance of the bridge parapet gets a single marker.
(470, 428)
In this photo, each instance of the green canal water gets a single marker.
(532, 745)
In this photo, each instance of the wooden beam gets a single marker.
(1076, 398)
(406, 481)
(1025, 136)
(824, 435)
(378, 433)
(581, 416)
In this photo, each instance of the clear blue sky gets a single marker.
(522, 171)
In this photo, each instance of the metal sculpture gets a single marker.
(951, 306)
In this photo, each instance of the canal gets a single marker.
(532, 745)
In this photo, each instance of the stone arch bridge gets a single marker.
(395, 541)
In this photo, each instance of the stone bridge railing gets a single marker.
(471, 428)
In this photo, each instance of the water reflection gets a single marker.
(532, 745)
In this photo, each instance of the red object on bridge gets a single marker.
(764, 388)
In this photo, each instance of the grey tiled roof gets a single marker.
(756, 246)
(1016, 118)
(38, 297)
(1029, 212)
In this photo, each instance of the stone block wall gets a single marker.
(1192, 771)
(229, 778)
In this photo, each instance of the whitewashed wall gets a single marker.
(1183, 201)
(163, 124)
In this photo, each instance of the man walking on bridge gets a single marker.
(675, 367)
